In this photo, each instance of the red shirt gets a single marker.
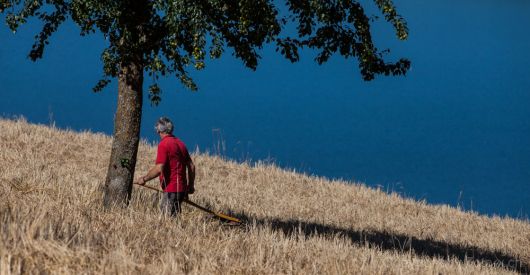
(172, 153)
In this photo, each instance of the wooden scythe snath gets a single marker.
(217, 214)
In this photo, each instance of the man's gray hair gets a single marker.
(164, 125)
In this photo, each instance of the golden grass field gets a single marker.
(52, 220)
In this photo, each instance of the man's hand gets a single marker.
(140, 181)
(153, 172)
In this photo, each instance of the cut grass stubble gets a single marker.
(52, 220)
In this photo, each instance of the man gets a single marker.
(172, 163)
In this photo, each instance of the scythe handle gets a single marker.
(220, 215)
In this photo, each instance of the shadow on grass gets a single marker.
(400, 243)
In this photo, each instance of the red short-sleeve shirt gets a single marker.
(173, 154)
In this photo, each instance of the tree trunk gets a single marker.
(118, 184)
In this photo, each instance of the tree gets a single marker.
(161, 37)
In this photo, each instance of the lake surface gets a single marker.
(455, 130)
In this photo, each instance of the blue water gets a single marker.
(454, 131)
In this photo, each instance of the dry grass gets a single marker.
(52, 220)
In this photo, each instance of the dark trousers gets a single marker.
(170, 204)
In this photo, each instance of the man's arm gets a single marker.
(191, 176)
(153, 173)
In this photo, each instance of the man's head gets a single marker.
(164, 126)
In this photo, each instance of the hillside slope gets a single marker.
(52, 220)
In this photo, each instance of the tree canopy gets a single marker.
(161, 37)
(169, 37)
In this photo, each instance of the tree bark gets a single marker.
(120, 173)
